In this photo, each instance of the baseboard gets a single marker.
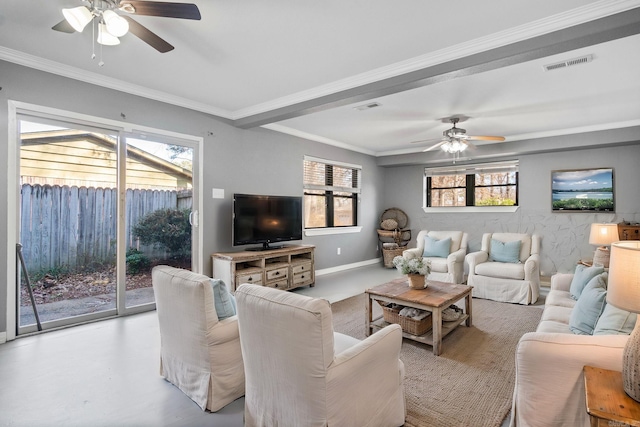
(347, 266)
(3, 337)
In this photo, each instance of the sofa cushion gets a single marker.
(590, 306)
(225, 303)
(501, 270)
(581, 277)
(559, 298)
(615, 321)
(553, 326)
(505, 251)
(436, 248)
(438, 265)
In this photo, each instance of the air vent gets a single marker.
(568, 63)
(368, 106)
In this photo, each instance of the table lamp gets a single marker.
(603, 235)
(624, 292)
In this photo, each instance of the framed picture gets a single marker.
(584, 190)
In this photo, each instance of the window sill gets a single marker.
(331, 230)
(471, 209)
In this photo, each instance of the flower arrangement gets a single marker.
(412, 266)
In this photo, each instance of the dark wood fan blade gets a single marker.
(156, 8)
(64, 27)
(486, 138)
(147, 36)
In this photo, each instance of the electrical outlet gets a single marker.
(338, 251)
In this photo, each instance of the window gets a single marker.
(489, 184)
(330, 193)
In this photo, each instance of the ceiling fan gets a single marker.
(456, 139)
(112, 17)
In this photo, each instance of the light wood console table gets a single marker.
(285, 268)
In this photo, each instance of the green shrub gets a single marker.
(137, 261)
(167, 229)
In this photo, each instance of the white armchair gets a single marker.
(516, 282)
(199, 354)
(299, 372)
(443, 269)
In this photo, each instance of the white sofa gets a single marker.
(515, 282)
(443, 269)
(549, 386)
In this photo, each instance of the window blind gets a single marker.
(326, 175)
(482, 168)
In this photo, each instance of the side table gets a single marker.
(607, 403)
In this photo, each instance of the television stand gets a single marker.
(265, 247)
(287, 267)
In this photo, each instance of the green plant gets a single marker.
(137, 261)
(168, 229)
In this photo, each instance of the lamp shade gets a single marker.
(77, 17)
(623, 290)
(603, 234)
(116, 24)
(106, 38)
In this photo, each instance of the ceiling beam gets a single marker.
(601, 30)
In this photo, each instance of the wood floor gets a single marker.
(106, 373)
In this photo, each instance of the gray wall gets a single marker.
(236, 160)
(565, 236)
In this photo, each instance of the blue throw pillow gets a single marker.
(581, 277)
(505, 251)
(225, 303)
(590, 305)
(615, 321)
(436, 248)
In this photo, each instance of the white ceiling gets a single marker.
(299, 67)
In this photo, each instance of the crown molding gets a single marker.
(317, 138)
(540, 27)
(63, 70)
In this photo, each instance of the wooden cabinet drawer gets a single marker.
(300, 278)
(279, 284)
(280, 273)
(300, 268)
(255, 278)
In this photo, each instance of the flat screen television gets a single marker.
(266, 219)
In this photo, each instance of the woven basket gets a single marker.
(388, 254)
(408, 325)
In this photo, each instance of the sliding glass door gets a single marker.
(98, 209)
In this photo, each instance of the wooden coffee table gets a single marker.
(434, 298)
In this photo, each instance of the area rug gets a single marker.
(471, 382)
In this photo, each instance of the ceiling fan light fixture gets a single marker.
(105, 37)
(454, 146)
(116, 24)
(77, 17)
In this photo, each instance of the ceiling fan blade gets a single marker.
(64, 27)
(166, 9)
(147, 36)
(486, 138)
(433, 147)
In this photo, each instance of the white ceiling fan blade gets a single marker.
(433, 147)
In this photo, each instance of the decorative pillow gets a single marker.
(436, 248)
(389, 224)
(225, 303)
(590, 305)
(581, 277)
(505, 251)
(615, 321)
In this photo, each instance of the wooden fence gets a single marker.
(75, 227)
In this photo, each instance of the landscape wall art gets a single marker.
(585, 190)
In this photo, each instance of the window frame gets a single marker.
(330, 193)
(469, 171)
